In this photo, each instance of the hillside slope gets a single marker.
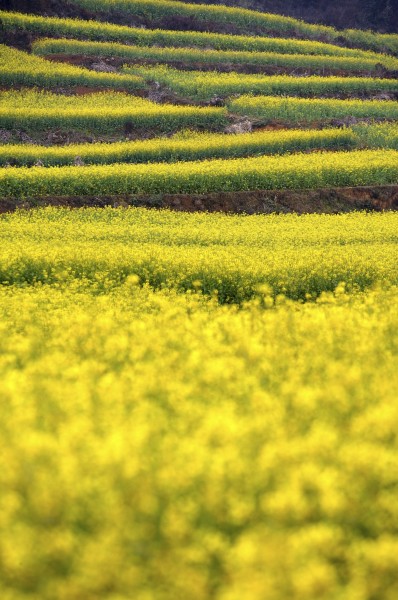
(217, 98)
(381, 15)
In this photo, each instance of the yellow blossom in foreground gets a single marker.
(167, 444)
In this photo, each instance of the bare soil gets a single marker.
(325, 200)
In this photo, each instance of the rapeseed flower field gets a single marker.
(203, 85)
(216, 58)
(160, 443)
(196, 406)
(103, 113)
(190, 145)
(40, 25)
(230, 256)
(223, 18)
(296, 171)
(20, 68)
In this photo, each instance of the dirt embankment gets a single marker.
(60, 8)
(330, 201)
(248, 69)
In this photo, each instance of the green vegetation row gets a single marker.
(215, 58)
(20, 68)
(18, 23)
(382, 135)
(296, 171)
(20, 104)
(155, 13)
(311, 110)
(203, 85)
(45, 100)
(190, 146)
(102, 113)
(182, 147)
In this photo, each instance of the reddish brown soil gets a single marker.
(334, 200)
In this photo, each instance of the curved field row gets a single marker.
(103, 113)
(296, 171)
(37, 25)
(20, 68)
(37, 99)
(163, 119)
(189, 146)
(215, 17)
(215, 58)
(196, 58)
(311, 110)
(293, 255)
(166, 118)
(202, 85)
(35, 111)
(180, 148)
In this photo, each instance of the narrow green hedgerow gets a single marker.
(203, 85)
(20, 68)
(216, 58)
(180, 148)
(300, 171)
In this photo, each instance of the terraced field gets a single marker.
(153, 82)
(197, 406)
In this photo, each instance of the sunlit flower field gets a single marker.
(213, 432)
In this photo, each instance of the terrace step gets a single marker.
(323, 200)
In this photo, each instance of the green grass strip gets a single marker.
(47, 47)
(296, 171)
